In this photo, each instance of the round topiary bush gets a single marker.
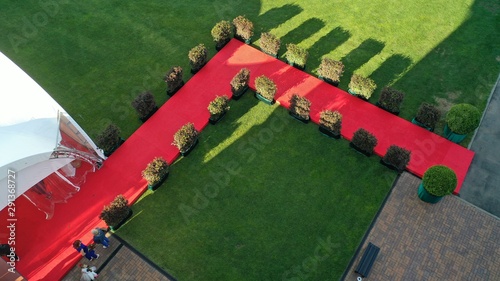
(439, 180)
(463, 118)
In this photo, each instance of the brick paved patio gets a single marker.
(450, 240)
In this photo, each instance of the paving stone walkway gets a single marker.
(450, 240)
(120, 262)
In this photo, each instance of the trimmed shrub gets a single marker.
(463, 118)
(364, 140)
(331, 120)
(185, 137)
(240, 80)
(218, 106)
(173, 78)
(243, 28)
(198, 57)
(391, 99)
(221, 33)
(117, 211)
(270, 44)
(300, 106)
(296, 55)
(398, 157)
(145, 105)
(265, 87)
(331, 69)
(428, 115)
(109, 139)
(439, 180)
(155, 171)
(362, 86)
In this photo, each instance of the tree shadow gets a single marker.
(389, 72)
(326, 44)
(276, 16)
(303, 31)
(358, 57)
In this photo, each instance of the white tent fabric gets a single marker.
(30, 132)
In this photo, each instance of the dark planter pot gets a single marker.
(144, 119)
(194, 71)
(214, 119)
(108, 153)
(381, 106)
(426, 196)
(187, 151)
(156, 185)
(329, 81)
(238, 94)
(454, 137)
(263, 99)
(299, 118)
(303, 68)
(356, 95)
(325, 131)
(219, 46)
(391, 166)
(172, 92)
(115, 227)
(416, 122)
(368, 154)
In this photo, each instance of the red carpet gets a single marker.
(45, 245)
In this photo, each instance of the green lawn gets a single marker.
(262, 197)
(94, 57)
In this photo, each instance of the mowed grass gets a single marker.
(94, 57)
(262, 197)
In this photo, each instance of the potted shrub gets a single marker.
(270, 44)
(243, 29)
(145, 105)
(300, 108)
(330, 71)
(427, 116)
(109, 139)
(218, 108)
(156, 172)
(198, 57)
(296, 56)
(438, 181)
(361, 86)
(239, 83)
(461, 119)
(390, 100)
(330, 123)
(265, 89)
(396, 158)
(116, 213)
(364, 142)
(221, 33)
(174, 80)
(186, 138)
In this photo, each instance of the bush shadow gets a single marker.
(302, 32)
(358, 57)
(389, 71)
(276, 16)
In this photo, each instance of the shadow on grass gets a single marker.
(276, 16)
(326, 44)
(358, 57)
(302, 32)
(391, 70)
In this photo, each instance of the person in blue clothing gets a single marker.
(100, 237)
(84, 250)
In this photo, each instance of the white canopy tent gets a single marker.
(38, 138)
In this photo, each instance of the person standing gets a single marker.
(84, 250)
(100, 237)
(5, 251)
